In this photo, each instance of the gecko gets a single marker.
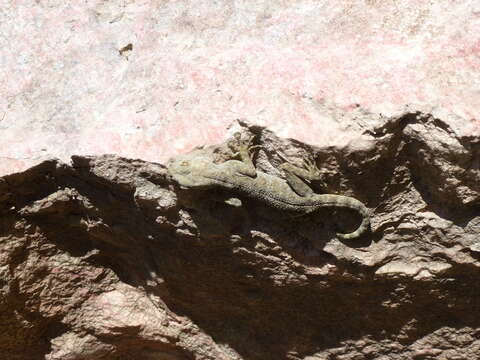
(197, 170)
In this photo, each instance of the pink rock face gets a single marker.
(150, 80)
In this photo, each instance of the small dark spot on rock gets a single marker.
(125, 51)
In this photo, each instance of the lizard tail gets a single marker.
(340, 201)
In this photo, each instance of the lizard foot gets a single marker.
(242, 148)
(312, 169)
(308, 170)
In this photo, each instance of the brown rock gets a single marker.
(107, 258)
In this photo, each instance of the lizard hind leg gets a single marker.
(295, 176)
(310, 171)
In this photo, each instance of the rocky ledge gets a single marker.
(108, 258)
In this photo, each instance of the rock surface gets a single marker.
(107, 258)
(132, 77)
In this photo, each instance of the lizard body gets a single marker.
(197, 170)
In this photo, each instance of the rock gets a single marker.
(105, 257)
(108, 258)
(152, 79)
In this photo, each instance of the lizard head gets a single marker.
(189, 171)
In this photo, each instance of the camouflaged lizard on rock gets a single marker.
(197, 170)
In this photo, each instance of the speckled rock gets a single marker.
(150, 79)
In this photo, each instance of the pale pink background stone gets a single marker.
(196, 66)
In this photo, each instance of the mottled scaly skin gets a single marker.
(197, 170)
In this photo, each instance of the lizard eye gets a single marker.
(184, 163)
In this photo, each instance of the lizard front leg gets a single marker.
(242, 148)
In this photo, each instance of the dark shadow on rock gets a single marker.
(234, 297)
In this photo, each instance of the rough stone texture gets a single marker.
(104, 257)
(107, 258)
(131, 77)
